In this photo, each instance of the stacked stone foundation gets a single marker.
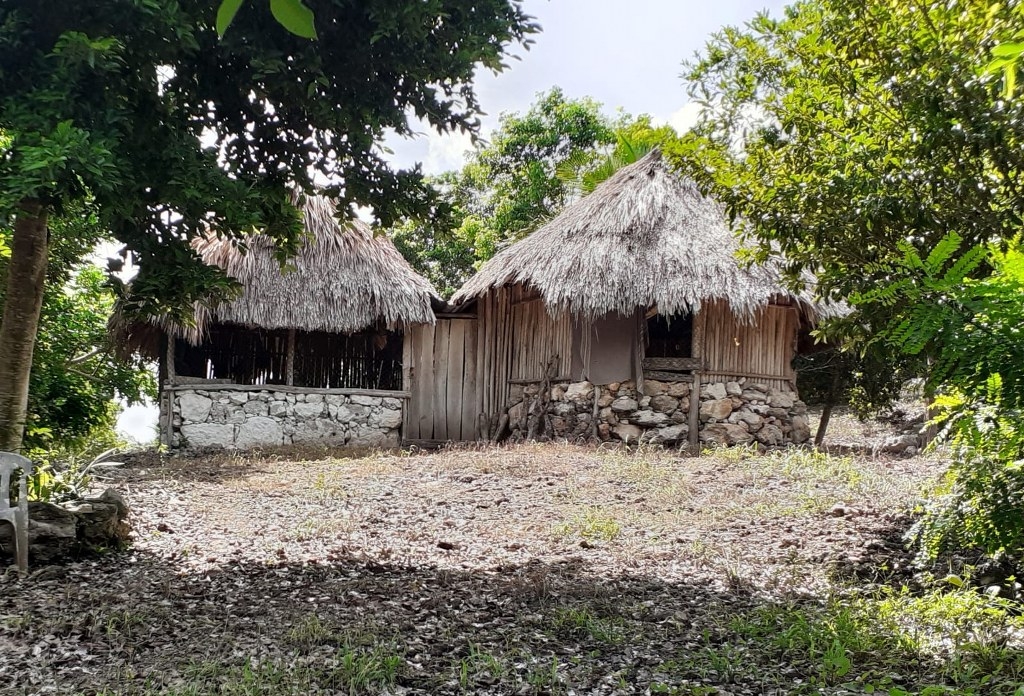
(730, 413)
(238, 419)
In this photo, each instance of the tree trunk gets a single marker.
(826, 416)
(26, 276)
(834, 390)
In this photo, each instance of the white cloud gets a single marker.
(446, 152)
(685, 118)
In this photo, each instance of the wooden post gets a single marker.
(696, 352)
(694, 422)
(289, 360)
(171, 374)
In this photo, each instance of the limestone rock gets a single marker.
(664, 403)
(194, 408)
(753, 421)
(781, 400)
(278, 408)
(390, 419)
(801, 430)
(557, 393)
(649, 418)
(627, 433)
(59, 531)
(365, 400)
(718, 409)
(372, 438)
(736, 434)
(307, 410)
(733, 389)
(579, 391)
(725, 434)
(255, 408)
(653, 387)
(672, 434)
(208, 435)
(770, 435)
(52, 532)
(624, 404)
(605, 400)
(259, 432)
(114, 497)
(238, 397)
(99, 523)
(678, 389)
(714, 434)
(715, 390)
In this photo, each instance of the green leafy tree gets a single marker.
(141, 113)
(634, 138)
(75, 375)
(290, 14)
(845, 130)
(534, 165)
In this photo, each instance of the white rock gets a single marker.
(801, 430)
(366, 400)
(259, 432)
(579, 391)
(733, 388)
(718, 409)
(365, 436)
(194, 408)
(389, 419)
(673, 433)
(782, 400)
(208, 435)
(649, 418)
(305, 409)
(624, 404)
(255, 407)
(716, 390)
(627, 433)
(238, 397)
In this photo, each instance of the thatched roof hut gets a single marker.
(629, 315)
(645, 237)
(342, 280)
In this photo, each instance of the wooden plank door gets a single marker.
(442, 380)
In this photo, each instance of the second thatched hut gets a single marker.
(315, 352)
(628, 316)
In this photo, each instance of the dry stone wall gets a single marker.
(731, 413)
(236, 419)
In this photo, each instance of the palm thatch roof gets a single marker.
(342, 280)
(645, 237)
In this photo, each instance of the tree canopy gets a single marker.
(842, 131)
(141, 112)
(535, 163)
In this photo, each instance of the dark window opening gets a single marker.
(670, 337)
(369, 359)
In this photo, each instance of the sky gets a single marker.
(625, 55)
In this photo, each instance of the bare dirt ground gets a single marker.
(527, 569)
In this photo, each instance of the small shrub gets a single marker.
(593, 523)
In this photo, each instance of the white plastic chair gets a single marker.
(16, 515)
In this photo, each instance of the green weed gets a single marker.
(593, 523)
